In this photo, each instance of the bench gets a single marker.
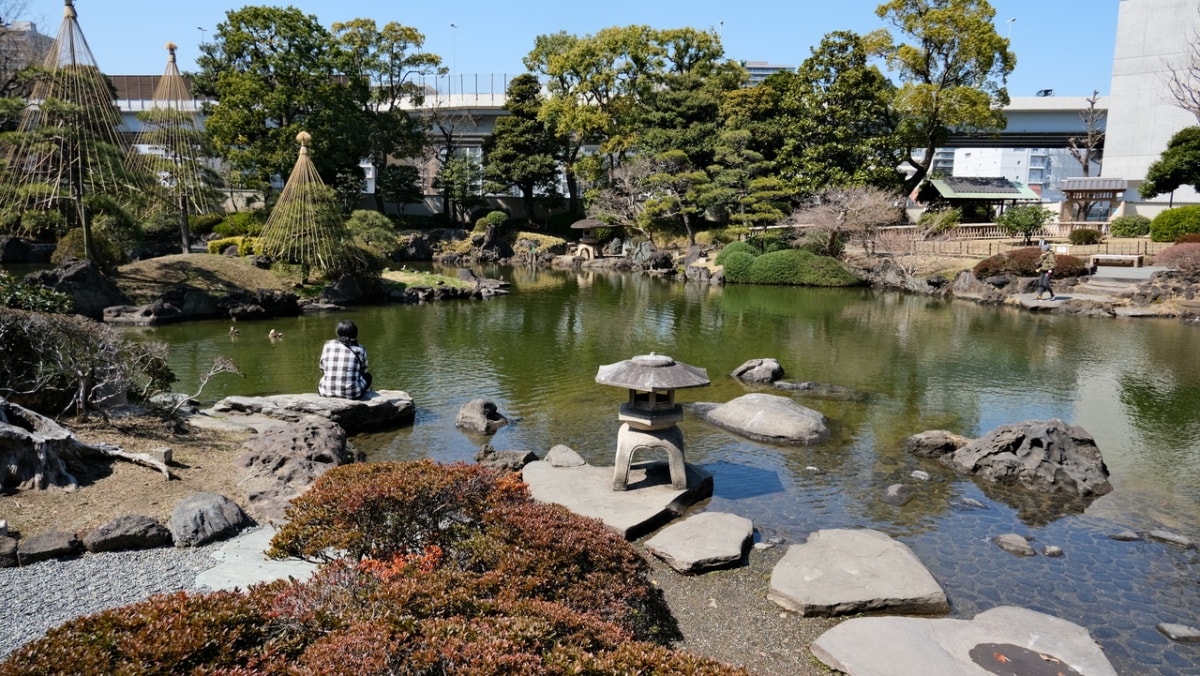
(1115, 259)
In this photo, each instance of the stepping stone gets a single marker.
(1002, 640)
(841, 572)
(702, 542)
(648, 503)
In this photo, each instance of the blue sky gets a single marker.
(1064, 45)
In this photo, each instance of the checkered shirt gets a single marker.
(341, 370)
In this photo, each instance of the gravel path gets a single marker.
(724, 615)
(42, 596)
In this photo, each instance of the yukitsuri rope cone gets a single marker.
(306, 226)
(66, 146)
(172, 147)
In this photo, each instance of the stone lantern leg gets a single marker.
(649, 417)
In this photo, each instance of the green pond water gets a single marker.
(918, 363)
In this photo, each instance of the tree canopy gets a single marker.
(1179, 165)
(953, 72)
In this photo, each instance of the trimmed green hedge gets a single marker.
(737, 266)
(1129, 225)
(735, 247)
(1170, 224)
(797, 267)
(1084, 236)
(247, 246)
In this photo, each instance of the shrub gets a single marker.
(793, 266)
(721, 236)
(1129, 225)
(16, 294)
(737, 266)
(1084, 236)
(524, 587)
(1170, 224)
(46, 355)
(108, 255)
(735, 247)
(247, 246)
(939, 221)
(1023, 262)
(202, 224)
(386, 509)
(1190, 238)
(374, 233)
(1024, 220)
(241, 223)
(496, 218)
(42, 224)
(1184, 257)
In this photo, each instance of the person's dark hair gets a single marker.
(347, 333)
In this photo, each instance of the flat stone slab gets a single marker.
(1001, 637)
(703, 541)
(242, 562)
(647, 504)
(382, 408)
(841, 572)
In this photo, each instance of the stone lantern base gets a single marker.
(669, 439)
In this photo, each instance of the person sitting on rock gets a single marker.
(344, 365)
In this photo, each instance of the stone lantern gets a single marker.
(648, 419)
(587, 245)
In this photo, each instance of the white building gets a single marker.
(1142, 116)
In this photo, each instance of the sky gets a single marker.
(1063, 45)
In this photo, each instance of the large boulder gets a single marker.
(85, 284)
(968, 287)
(766, 370)
(480, 416)
(770, 418)
(133, 531)
(282, 462)
(150, 314)
(507, 461)
(206, 517)
(1047, 456)
(380, 408)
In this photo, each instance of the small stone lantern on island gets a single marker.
(648, 418)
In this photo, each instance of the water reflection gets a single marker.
(923, 364)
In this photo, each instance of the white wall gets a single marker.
(1141, 114)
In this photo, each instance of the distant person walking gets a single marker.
(1045, 270)
(344, 365)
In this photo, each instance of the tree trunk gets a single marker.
(35, 451)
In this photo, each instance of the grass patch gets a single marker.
(409, 278)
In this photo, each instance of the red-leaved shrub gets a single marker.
(1023, 262)
(1182, 257)
(453, 570)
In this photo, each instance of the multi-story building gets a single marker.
(21, 45)
(761, 70)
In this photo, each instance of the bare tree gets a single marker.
(1088, 148)
(1183, 76)
(623, 199)
(839, 215)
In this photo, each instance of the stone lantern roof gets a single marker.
(652, 372)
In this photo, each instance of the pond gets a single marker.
(919, 363)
